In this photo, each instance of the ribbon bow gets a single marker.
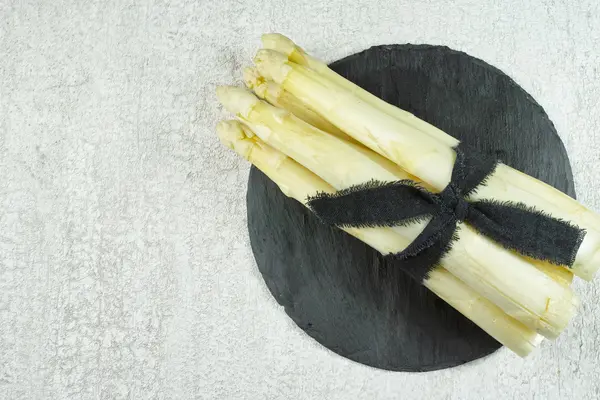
(513, 225)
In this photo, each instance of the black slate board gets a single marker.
(343, 293)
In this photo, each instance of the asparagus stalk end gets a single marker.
(272, 65)
(252, 78)
(256, 82)
(237, 100)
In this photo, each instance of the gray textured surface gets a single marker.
(125, 266)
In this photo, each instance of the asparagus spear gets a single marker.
(428, 156)
(297, 182)
(506, 279)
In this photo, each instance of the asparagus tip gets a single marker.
(272, 64)
(236, 100)
(279, 42)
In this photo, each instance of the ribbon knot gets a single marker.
(451, 200)
(513, 225)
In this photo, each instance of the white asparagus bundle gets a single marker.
(419, 148)
(277, 96)
(297, 182)
(509, 281)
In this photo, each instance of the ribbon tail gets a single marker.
(528, 231)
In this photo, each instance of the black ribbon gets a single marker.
(513, 225)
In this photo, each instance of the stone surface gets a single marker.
(125, 264)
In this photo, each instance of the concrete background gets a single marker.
(125, 267)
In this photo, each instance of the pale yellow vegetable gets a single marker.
(503, 277)
(419, 148)
(297, 182)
